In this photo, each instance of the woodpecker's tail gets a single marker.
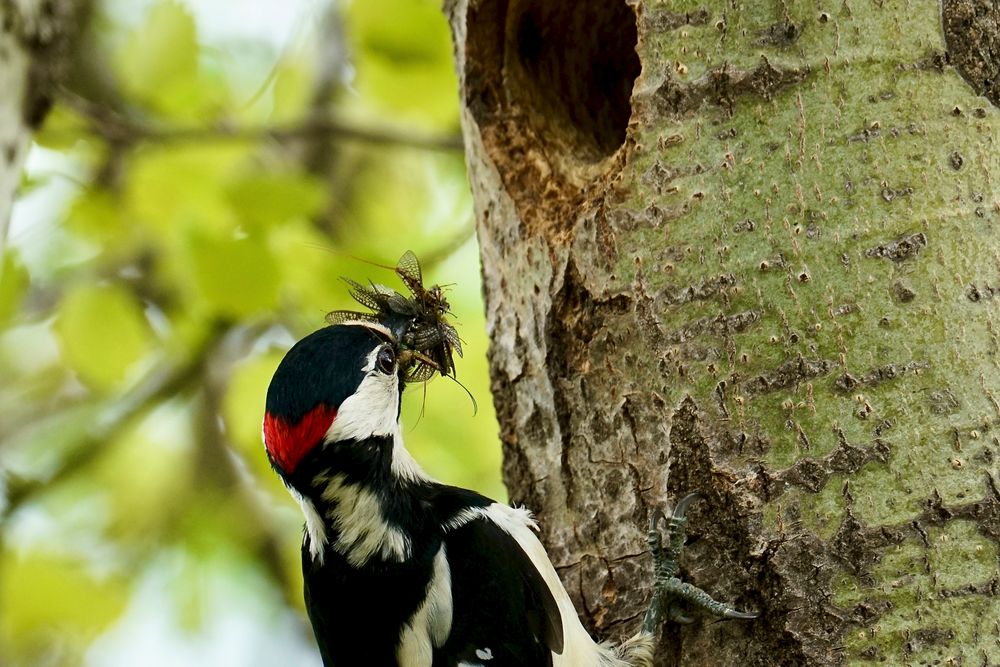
(637, 651)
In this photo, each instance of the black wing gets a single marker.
(502, 606)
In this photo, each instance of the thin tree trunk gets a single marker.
(751, 249)
(34, 40)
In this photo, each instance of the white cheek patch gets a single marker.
(372, 410)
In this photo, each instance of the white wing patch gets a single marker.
(484, 653)
(504, 516)
(431, 623)
(362, 530)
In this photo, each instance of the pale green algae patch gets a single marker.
(935, 582)
(819, 513)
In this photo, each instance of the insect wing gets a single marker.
(368, 298)
(448, 359)
(408, 269)
(347, 316)
(423, 337)
(418, 322)
(420, 372)
(398, 303)
(378, 298)
(451, 339)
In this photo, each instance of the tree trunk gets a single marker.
(750, 249)
(34, 40)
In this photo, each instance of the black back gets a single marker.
(499, 600)
(358, 614)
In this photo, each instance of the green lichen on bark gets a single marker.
(847, 179)
(779, 290)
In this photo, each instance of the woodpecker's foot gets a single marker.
(671, 592)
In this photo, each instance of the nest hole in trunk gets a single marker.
(561, 70)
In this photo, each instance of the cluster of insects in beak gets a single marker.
(418, 323)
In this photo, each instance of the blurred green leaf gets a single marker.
(404, 64)
(14, 281)
(273, 198)
(310, 272)
(422, 97)
(162, 49)
(102, 332)
(400, 213)
(46, 597)
(218, 518)
(145, 497)
(233, 277)
(403, 32)
(160, 55)
(62, 129)
(174, 187)
(292, 91)
(96, 215)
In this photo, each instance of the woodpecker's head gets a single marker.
(340, 384)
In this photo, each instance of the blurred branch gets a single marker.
(325, 157)
(134, 271)
(207, 369)
(161, 383)
(222, 463)
(119, 130)
(331, 61)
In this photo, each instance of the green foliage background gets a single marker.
(188, 210)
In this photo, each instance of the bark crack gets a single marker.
(723, 85)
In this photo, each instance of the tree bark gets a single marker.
(751, 249)
(34, 40)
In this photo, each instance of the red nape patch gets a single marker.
(288, 443)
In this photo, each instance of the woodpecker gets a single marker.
(400, 569)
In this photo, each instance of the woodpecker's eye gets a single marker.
(386, 360)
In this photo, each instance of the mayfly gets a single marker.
(417, 321)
